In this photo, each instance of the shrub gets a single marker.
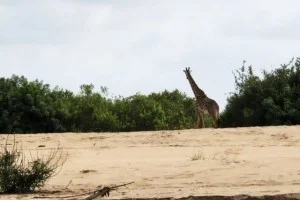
(18, 175)
(198, 156)
(269, 99)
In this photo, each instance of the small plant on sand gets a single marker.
(198, 156)
(20, 175)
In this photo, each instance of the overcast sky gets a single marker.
(142, 46)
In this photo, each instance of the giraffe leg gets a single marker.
(218, 123)
(201, 119)
(200, 122)
(197, 122)
(216, 118)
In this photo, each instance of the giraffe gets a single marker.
(203, 103)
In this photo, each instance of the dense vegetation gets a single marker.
(32, 106)
(273, 99)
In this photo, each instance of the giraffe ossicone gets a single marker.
(203, 103)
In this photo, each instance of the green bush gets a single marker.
(270, 99)
(32, 107)
(17, 175)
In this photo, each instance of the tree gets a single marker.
(270, 100)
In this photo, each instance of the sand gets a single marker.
(196, 162)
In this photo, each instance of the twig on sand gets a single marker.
(68, 184)
(103, 191)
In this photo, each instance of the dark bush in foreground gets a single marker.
(20, 176)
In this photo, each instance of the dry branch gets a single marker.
(103, 191)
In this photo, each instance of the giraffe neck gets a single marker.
(199, 94)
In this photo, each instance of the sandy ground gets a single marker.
(253, 161)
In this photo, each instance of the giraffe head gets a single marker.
(187, 71)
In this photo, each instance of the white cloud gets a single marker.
(143, 46)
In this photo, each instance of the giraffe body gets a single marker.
(203, 103)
